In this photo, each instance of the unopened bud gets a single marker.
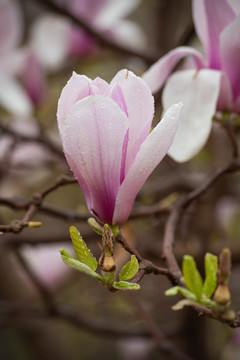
(34, 224)
(108, 264)
(222, 295)
(224, 266)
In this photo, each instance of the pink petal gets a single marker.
(151, 152)
(99, 87)
(33, 78)
(158, 73)
(199, 93)
(76, 89)
(80, 43)
(93, 138)
(46, 263)
(230, 53)
(117, 95)
(210, 19)
(140, 108)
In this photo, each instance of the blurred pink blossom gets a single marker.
(212, 83)
(56, 38)
(21, 75)
(104, 130)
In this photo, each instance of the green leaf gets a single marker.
(81, 249)
(192, 277)
(78, 265)
(180, 290)
(124, 285)
(130, 269)
(211, 267)
(95, 226)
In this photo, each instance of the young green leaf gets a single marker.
(185, 302)
(81, 249)
(130, 269)
(192, 277)
(180, 290)
(78, 265)
(211, 267)
(95, 226)
(124, 285)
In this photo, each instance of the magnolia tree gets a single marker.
(119, 162)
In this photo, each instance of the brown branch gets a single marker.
(233, 166)
(12, 310)
(144, 211)
(232, 138)
(62, 180)
(122, 241)
(33, 139)
(163, 344)
(35, 204)
(42, 290)
(168, 242)
(145, 266)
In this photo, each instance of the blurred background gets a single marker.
(40, 45)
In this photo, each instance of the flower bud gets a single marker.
(222, 295)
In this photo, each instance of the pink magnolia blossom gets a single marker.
(210, 83)
(104, 130)
(55, 38)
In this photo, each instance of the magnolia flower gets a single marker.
(55, 38)
(17, 64)
(104, 130)
(209, 83)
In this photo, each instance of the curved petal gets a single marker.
(93, 137)
(33, 77)
(210, 19)
(140, 109)
(235, 5)
(129, 34)
(76, 89)
(80, 43)
(157, 74)
(199, 93)
(50, 38)
(151, 152)
(113, 11)
(230, 54)
(13, 97)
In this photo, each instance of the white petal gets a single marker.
(129, 34)
(113, 11)
(13, 97)
(199, 93)
(50, 40)
(157, 74)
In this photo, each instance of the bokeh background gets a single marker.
(43, 50)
